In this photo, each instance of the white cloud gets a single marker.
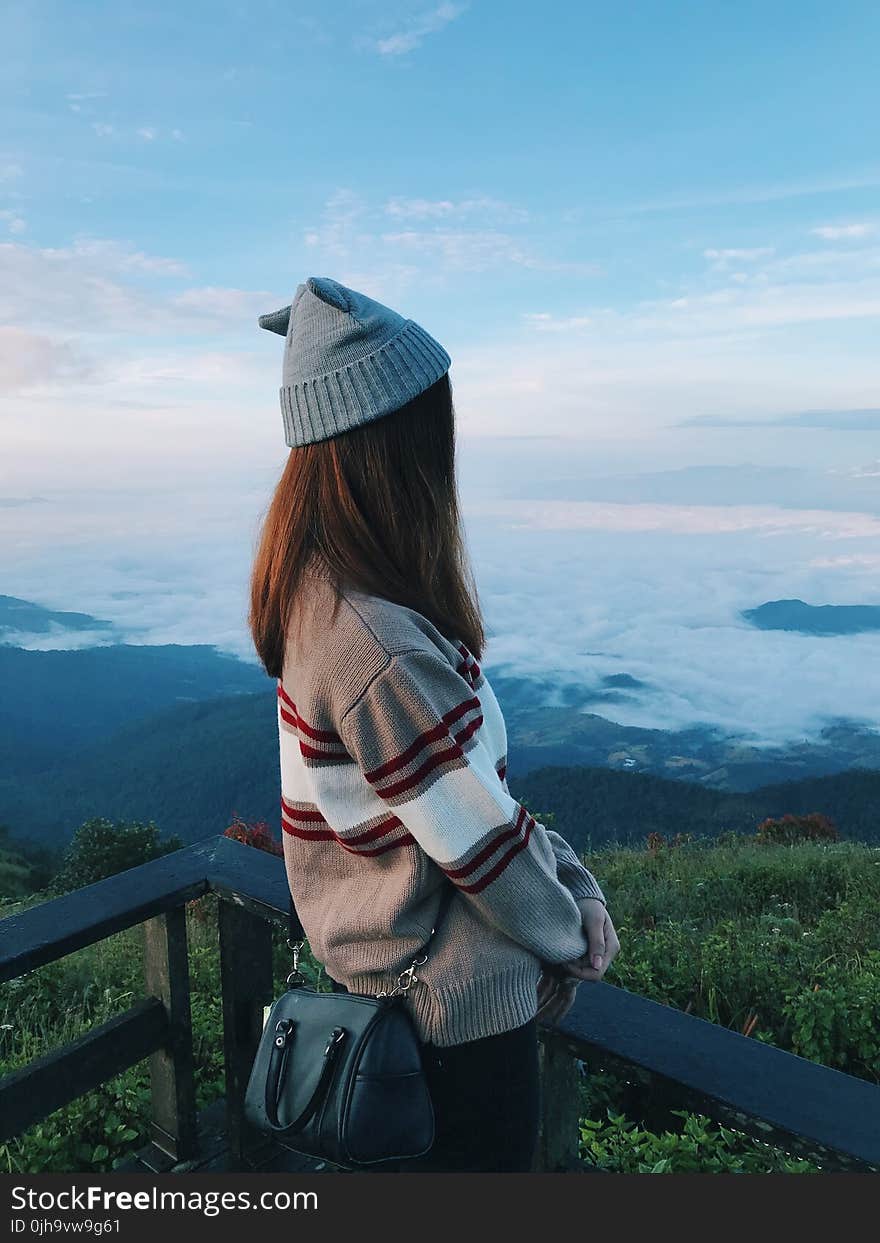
(738, 254)
(217, 302)
(417, 29)
(32, 361)
(9, 171)
(795, 291)
(102, 129)
(568, 605)
(460, 249)
(770, 193)
(77, 99)
(13, 220)
(118, 256)
(437, 209)
(764, 520)
(104, 301)
(870, 470)
(544, 321)
(148, 133)
(196, 369)
(351, 228)
(834, 232)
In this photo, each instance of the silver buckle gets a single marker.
(406, 979)
(295, 977)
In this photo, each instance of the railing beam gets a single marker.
(246, 982)
(172, 1082)
(558, 1134)
(44, 1085)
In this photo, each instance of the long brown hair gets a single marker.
(377, 506)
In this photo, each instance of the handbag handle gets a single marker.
(278, 1063)
(297, 938)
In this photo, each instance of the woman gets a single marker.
(392, 743)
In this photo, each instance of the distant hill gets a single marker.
(187, 768)
(23, 868)
(825, 619)
(190, 768)
(56, 701)
(572, 734)
(25, 617)
(595, 805)
(186, 735)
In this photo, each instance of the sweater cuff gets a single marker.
(582, 884)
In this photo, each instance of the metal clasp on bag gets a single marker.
(285, 1028)
(406, 979)
(337, 1035)
(296, 977)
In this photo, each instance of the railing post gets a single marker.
(246, 981)
(557, 1148)
(166, 975)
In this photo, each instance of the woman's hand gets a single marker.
(601, 938)
(555, 997)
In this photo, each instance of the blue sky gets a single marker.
(647, 233)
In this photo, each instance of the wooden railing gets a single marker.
(671, 1059)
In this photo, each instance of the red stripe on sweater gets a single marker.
(430, 735)
(468, 666)
(504, 835)
(330, 757)
(464, 734)
(311, 836)
(300, 817)
(452, 752)
(502, 863)
(297, 813)
(319, 735)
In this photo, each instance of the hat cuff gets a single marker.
(321, 406)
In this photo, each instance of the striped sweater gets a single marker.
(393, 753)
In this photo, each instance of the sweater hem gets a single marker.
(470, 1010)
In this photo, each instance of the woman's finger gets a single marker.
(594, 927)
(582, 970)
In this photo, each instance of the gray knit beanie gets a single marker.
(347, 360)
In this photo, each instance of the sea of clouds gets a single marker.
(584, 570)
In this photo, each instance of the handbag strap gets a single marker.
(278, 1063)
(407, 977)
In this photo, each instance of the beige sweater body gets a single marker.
(393, 753)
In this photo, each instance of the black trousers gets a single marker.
(487, 1099)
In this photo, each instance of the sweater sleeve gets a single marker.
(414, 732)
(580, 882)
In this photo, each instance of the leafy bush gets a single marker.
(101, 848)
(619, 1145)
(788, 829)
(257, 834)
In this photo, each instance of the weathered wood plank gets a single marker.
(558, 1135)
(768, 1092)
(30, 1094)
(59, 927)
(252, 878)
(246, 981)
(166, 976)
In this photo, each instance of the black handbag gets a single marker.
(339, 1076)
